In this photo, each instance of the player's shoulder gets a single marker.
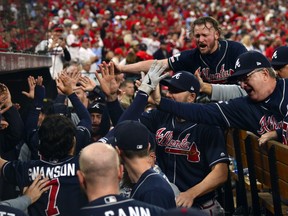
(116, 203)
(235, 46)
(7, 210)
(206, 129)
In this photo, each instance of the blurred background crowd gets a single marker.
(114, 26)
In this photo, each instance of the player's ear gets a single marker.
(120, 172)
(191, 98)
(118, 150)
(217, 35)
(81, 178)
(149, 147)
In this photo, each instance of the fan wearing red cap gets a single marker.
(118, 55)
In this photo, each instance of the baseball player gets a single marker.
(57, 144)
(99, 175)
(132, 141)
(58, 140)
(280, 61)
(215, 57)
(84, 125)
(193, 156)
(224, 92)
(263, 111)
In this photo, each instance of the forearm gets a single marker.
(195, 112)
(16, 125)
(139, 66)
(115, 111)
(81, 111)
(211, 182)
(134, 111)
(206, 88)
(226, 92)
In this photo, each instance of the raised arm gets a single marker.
(139, 66)
(14, 127)
(219, 92)
(65, 85)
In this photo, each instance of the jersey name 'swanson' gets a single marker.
(53, 172)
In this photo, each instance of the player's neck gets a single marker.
(102, 190)
(136, 168)
(216, 48)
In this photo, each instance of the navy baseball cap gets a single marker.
(131, 135)
(248, 62)
(183, 81)
(56, 108)
(280, 57)
(96, 107)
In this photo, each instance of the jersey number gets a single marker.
(52, 209)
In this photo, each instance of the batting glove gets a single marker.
(153, 77)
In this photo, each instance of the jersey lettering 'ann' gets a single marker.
(132, 210)
(178, 147)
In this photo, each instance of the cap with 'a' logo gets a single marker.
(183, 80)
(280, 57)
(248, 62)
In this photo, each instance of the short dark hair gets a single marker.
(207, 19)
(56, 136)
(132, 154)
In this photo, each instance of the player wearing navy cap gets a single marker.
(263, 111)
(280, 61)
(96, 109)
(193, 156)
(215, 57)
(224, 92)
(132, 141)
(99, 175)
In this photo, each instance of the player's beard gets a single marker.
(95, 133)
(209, 48)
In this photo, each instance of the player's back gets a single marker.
(117, 205)
(64, 196)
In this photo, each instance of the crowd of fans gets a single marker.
(113, 24)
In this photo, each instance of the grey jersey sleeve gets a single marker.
(222, 92)
(20, 203)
